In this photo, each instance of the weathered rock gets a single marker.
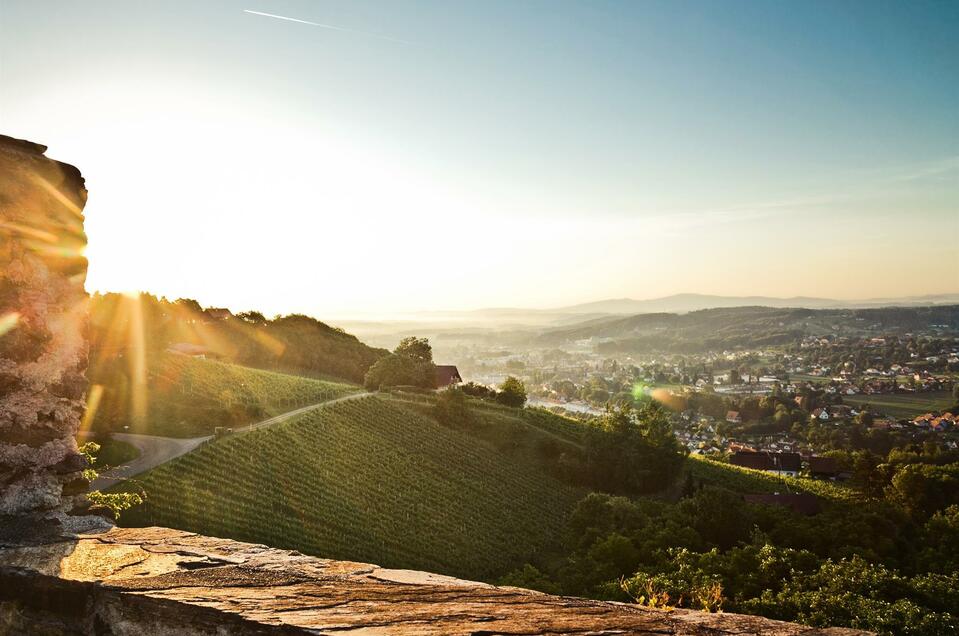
(43, 351)
(161, 581)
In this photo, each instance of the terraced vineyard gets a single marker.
(189, 397)
(369, 480)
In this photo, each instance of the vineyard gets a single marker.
(189, 397)
(746, 480)
(368, 480)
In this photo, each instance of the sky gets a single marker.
(375, 158)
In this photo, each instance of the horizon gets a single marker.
(379, 158)
(441, 314)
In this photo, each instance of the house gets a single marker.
(218, 313)
(824, 468)
(733, 417)
(779, 463)
(840, 410)
(801, 503)
(821, 414)
(447, 375)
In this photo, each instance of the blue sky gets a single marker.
(544, 153)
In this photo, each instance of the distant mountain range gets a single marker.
(682, 303)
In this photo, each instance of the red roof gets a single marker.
(447, 374)
(823, 466)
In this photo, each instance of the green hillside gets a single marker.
(748, 481)
(371, 480)
(189, 397)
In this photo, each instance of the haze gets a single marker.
(395, 157)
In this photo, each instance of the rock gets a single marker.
(43, 350)
(162, 581)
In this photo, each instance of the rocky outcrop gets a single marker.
(43, 352)
(161, 581)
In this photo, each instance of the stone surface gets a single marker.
(162, 581)
(43, 351)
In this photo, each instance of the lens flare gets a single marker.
(93, 403)
(8, 322)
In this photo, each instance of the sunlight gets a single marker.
(8, 321)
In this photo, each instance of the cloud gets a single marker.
(325, 26)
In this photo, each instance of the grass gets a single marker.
(747, 480)
(373, 479)
(189, 397)
(905, 405)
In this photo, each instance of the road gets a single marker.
(156, 450)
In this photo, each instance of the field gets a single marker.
(905, 405)
(372, 479)
(189, 397)
(746, 480)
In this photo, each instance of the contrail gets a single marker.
(326, 26)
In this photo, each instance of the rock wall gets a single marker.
(135, 581)
(43, 352)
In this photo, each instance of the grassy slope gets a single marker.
(746, 480)
(906, 405)
(189, 397)
(369, 480)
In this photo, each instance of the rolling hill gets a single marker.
(717, 329)
(189, 397)
(374, 479)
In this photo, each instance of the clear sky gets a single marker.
(402, 156)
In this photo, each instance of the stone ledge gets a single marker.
(162, 581)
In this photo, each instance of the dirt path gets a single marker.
(156, 450)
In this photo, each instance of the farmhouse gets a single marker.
(447, 375)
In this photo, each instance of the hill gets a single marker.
(373, 480)
(681, 303)
(728, 328)
(189, 397)
(124, 325)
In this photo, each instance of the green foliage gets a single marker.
(417, 349)
(923, 489)
(530, 578)
(632, 451)
(113, 452)
(189, 397)
(116, 502)
(512, 393)
(400, 370)
(367, 480)
(451, 408)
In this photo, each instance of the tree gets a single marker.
(252, 317)
(417, 349)
(512, 392)
(451, 407)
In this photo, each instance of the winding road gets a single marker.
(156, 450)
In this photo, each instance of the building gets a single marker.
(447, 375)
(733, 417)
(789, 464)
(825, 468)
